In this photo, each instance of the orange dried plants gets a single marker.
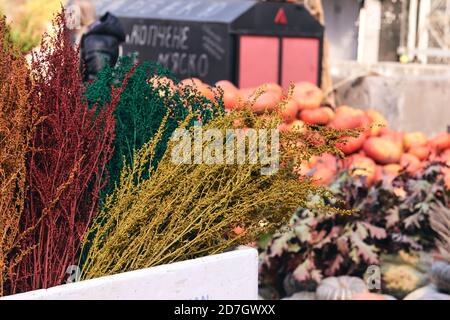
(15, 126)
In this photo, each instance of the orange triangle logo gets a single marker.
(281, 18)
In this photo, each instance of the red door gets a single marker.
(258, 60)
(300, 61)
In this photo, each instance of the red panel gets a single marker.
(300, 60)
(258, 61)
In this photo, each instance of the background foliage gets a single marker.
(29, 19)
(388, 217)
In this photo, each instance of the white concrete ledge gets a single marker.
(228, 276)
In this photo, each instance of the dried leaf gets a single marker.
(367, 252)
(303, 232)
(335, 265)
(279, 244)
(392, 217)
(413, 220)
(375, 232)
(307, 271)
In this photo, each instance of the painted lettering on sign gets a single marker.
(169, 37)
(185, 64)
(170, 47)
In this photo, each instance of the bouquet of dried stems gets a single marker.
(71, 145)
(15, 128)
(181, 211)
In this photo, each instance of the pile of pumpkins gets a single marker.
(378, 152)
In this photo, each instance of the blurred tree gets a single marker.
(29, 19)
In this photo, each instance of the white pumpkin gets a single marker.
(340, 288)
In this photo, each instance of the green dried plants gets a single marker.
(184, 211)
(15, 126)
(150, 94)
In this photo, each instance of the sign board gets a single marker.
(187, 49)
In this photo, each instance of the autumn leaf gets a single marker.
(392, 217)
(279, 244)
(367, 252)
(361, 231)
(375, 232)
(303, 232)
(301, 273)
(332, 235)
(342, 245)
(316, 275)
(413, 220)
(335, 265)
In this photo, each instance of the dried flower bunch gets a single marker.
(184, 211)
(15, 126)
(70, 148)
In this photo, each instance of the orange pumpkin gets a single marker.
(377, 121)
(421, 152)
(414, 139)
(382, 150)
(351, 145)
(275, 88)
(361, 166)
(230, 94)
(441, 141)
(289, 111)
(307, 95)
(350, 118)
(323, 176)
(321, 115)
(157, 81)
(297, 125)
(266, 102)
(410, 163)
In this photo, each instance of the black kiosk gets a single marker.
(248, 42)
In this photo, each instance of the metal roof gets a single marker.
(222, 11)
